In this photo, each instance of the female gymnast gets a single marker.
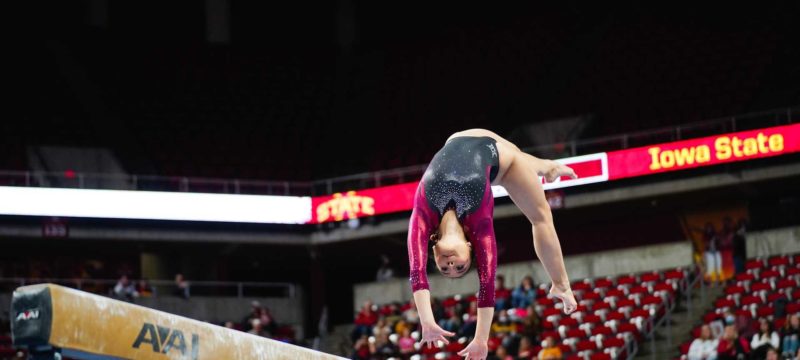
(453, 209)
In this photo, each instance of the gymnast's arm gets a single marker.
(485, 247)
(419, 231)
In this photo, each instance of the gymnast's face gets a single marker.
(452, 255)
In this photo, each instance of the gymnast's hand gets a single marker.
(566, 296)
(431, 333)
(476, 350)
(553, 170)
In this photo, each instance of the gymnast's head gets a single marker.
(452, 252)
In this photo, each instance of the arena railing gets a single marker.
(166, 287)
(70, 179)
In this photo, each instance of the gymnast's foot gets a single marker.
(564, 293)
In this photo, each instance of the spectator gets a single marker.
(406, 343)
(550, 351)
(361, 348)
(725, 247)
(381, 326)
(124, 289)
(255, 313)
(470, 319)
(382, 347)
(411, 315)
(501, 354)
(740, 246)
(530, 323)
(144, 289)
(502, 295)
(790, 336)
(524, 294)
(503, 325)
(385, 272)
(525, 348)
(452, 324)
(256, 328)
(712, 256)
(744, 325)
(772, 354)
(731, 345)
(181, 286)
(704, 347)
(764, 339)
(365, 320)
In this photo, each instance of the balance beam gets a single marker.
(53, 321)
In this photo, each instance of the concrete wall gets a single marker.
(774, 242)
(630, 260)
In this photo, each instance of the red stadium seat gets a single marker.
(640, 313)
(551, 311)
(639, 290)
(615, 293)
(785, 284)
(760, 287)
(602, 330)
(568, 322)
(602, 283)
(591, 296)
(792, 271)
(664, 287)
(591, 319)
(754, 264)
(724, 302)
(600, 305)
(733, 290)
(749, 300)
(792, 308)
(575, 333)
(745, 277)
(626, 280)
(582, 286)
(709, 317)
(778, 261)
(615, 315)
(586, 345)
(652, 300)
(767, 274)
(765, 311)
(674, 275)
(600, 356)
(650, 277)
(628, 328)
(775, 296)
(626, 303)
(613, 342)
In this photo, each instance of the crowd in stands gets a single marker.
(612, 316)
(758, 317)
(260, 321)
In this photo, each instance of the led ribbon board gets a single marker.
(592, 168)
(154, 205)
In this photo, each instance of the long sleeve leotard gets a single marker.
(459, 177)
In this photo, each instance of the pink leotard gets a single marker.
(459, 177)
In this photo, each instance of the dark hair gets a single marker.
(769, 326)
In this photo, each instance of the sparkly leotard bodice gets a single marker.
(459, 177)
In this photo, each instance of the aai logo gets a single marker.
(163, 340)
(28, 315)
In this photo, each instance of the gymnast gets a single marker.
(453, 209)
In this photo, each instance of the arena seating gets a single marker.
(614, 314)
(754, 293)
